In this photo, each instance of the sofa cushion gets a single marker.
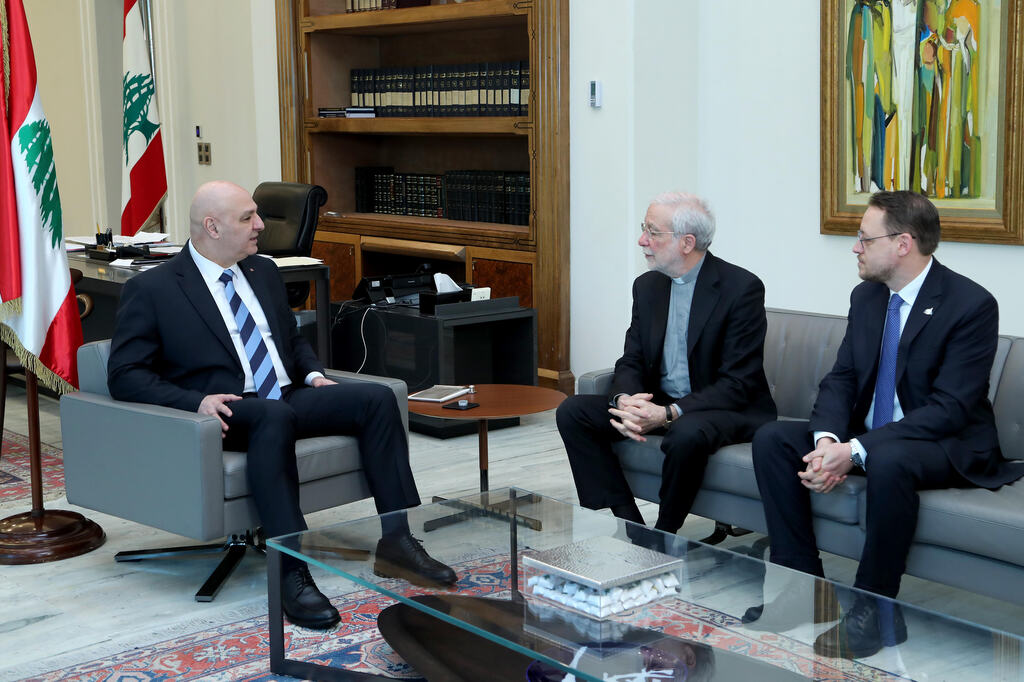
(731, 470)
(317, 458)
(1008, 401)
(799, 349)
(975, 520)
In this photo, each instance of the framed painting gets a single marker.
(927, 96)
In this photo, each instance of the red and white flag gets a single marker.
(143, 179)
(38, 310)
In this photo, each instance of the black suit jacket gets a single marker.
(171, 346)
(725, 342)
(942, 374)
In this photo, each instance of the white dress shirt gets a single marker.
(909, 294)
(211, 273)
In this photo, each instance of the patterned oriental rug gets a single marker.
(240, 650)
(15, 475)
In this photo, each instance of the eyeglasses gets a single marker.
(649, 229)
(864, 240)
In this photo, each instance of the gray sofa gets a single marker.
(973, 538)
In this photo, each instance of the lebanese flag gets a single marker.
(143, 180)
(38, 310)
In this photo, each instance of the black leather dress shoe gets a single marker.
(871, 624)
(304, 604)
(642, 536)
(402, 556)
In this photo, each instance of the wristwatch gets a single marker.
(669, 415)
(856, 459)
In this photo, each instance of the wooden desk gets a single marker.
(496, 401)
(104, 282)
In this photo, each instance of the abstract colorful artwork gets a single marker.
(922, 95)
(916, 100)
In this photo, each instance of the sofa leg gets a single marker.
(722, 531)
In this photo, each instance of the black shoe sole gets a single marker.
(386, 569)
(830, 650)
(321, 624)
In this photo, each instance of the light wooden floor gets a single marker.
(58, 614)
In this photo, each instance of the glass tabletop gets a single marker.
(570, 591)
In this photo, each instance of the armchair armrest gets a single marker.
(399, 387)
(598, 382)
(154, 465)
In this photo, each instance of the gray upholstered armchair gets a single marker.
(165, 468)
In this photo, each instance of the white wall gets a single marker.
(601, 47)
(756, 132)
(59, 29)
(642, 141)
(216, 68)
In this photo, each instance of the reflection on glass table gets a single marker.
(692, 622)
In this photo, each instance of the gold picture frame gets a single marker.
(995, 213)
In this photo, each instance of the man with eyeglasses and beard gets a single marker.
(691, 370)
(905, 407)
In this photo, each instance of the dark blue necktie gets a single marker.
(263, 374)
(885, 384)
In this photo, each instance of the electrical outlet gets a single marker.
(204, 153)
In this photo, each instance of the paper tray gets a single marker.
(602, 563)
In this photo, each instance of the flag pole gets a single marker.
(42, 535)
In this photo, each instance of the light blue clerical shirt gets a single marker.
(675, 370)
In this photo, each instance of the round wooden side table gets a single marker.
(497, 401)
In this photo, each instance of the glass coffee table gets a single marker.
(515, 615)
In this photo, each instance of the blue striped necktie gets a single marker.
(263, 373)
(885, 383)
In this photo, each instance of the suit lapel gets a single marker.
(198, 294)
(660, 294)
(927, 299)
(872, 325)
(705, 298)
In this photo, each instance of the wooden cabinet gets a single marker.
(318, 47)
(338, 251)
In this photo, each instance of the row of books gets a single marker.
(484, 196)
(369, 5)
(478, 89)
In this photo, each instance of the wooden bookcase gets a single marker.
(318, 46)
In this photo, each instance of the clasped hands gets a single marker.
(216, 404)
(827, 465)
(637, 415)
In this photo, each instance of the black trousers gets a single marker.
(268, 429)
(896, 470)
(584, 424)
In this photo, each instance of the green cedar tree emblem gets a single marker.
(37, 146)
(137, 92)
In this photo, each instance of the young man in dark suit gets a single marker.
(210, 331)
(905, 405)
(692, 368)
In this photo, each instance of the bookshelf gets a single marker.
(319, 45)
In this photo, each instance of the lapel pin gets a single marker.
(928, 311)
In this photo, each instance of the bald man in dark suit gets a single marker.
(210, 331)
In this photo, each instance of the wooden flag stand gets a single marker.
(42, 535)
